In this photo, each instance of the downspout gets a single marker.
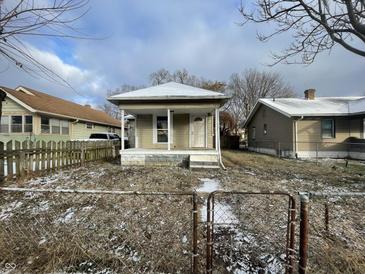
(296, 136)
(218, 132)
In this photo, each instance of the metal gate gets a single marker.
(250, 232)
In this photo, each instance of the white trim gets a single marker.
(16, 100)
(168, 129)
(217, 129)
(203, 116)
(135, 132)
(154, 127)
(206, 131)
(122, 128)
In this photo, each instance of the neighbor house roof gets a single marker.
(320, 106)
(43, 103)
(168, 91)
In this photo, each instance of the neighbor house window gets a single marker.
(55, 126)
(253, 133)
(265, 129)
(4, 124)
(16, 123)
(45, 125)
(89, 125)
(65, 127)
(28, 123)
(328, 128)
(162, 131)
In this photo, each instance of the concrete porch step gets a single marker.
(203, 162)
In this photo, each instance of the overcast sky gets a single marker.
(202, 36)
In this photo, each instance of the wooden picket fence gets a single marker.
(18, 159)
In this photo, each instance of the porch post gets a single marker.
(122, 127)
(217, 130)
(168, 129)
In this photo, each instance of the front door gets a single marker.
(197, 131)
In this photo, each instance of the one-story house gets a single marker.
(175, 124)
(308, 127)
(28, 114)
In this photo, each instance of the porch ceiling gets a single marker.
(164, 110)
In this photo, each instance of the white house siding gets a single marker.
(80, 131)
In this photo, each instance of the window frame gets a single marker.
(8, 124)
(265, 129)
(333, 132)
(62, 123)
(155, 130)
(253, 137)
(49, 125)
(11, 124)
(27, 124)
(89, 124)
(55, 123)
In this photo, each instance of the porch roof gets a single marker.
(169, 91)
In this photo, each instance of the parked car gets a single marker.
(104, 136)
(108, 136)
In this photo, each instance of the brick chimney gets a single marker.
(310, 94)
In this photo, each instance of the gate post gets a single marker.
(303, 241)
(195, 235)
(209, 266)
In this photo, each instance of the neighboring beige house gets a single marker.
(174, 124)
(310, 127)
(28, 114)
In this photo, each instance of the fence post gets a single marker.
(82, 154)
(303, 233)
(195, 235)
(21, 163)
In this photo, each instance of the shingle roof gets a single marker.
(171, 90)
(320, 106)
(47, 104)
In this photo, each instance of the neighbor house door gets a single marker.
(197, 131)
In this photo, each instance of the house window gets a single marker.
(45, 125)
(16, 124)
(89, 125)
(328, 128)
(28, 123)
(65, 127)
(4, 124)
(162, 131)
(265, 129)
(253, 133)
(55, 126)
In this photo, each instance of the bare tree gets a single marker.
(160, 77)
(246, 88)
(112, 109)
(317, 26)
(24, 18)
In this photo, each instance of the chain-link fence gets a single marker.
(302, 149)
(333, 233)
(48, 231)
(250, 232)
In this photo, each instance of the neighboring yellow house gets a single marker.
(174, 125)
(28, 114)
(330, 127)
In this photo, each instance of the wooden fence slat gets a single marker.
(31, 157)
(2, 158)
(37, 154)
(49, 155)
(23, 163)
(17, 158)
(54, 149)
(9, 159)
(43, 155)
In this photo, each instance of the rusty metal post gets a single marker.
(195, 235)
(326, 216)
(303, 235)
(291, 236)
(209, 263)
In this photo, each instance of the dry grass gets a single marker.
(106, 237)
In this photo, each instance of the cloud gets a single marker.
(201, 36)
